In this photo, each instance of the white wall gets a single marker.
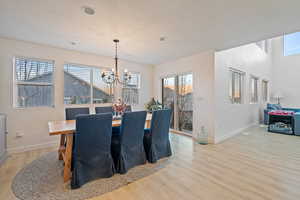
(230, 119)
(202, 67)
(32, 122)
(286, 75)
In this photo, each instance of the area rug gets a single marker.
(42, 180)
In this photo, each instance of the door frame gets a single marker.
(176, 84)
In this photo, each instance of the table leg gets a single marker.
(148, 123)
(68, 158)
(61, 146)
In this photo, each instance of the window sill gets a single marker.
(33, 108)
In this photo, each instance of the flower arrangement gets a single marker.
(153, 105)
(119, 107)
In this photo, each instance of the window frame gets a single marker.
(90, 67)
(16, 83)
(256, 91)
(232, 84)
(176, 84)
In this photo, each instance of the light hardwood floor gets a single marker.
(253, 165)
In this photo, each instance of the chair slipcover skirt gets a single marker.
(127, 147)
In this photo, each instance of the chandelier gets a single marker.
(112, 76)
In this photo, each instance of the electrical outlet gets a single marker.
(19, 134)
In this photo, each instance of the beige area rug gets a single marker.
(42, 180)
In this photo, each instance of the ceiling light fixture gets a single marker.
(88, 10)
(112, 77)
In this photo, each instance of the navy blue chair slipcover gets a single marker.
(91, 157)
(72, 112)
(105, 109)
(127, 147)
(156, 139)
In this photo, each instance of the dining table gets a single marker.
(65, 129)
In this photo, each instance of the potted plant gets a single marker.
(153, 105)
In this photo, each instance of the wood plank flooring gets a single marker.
(255, 165)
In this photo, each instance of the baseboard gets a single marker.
(32, 147)
(180, 133)
(233, 133)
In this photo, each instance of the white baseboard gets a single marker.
(233, 133)
(32, 147)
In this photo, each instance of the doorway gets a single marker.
(177, 95)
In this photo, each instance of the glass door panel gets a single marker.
(177, 95)
(185, 103)
(168, 96)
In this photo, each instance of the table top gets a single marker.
(69, 126)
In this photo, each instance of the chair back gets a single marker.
(71, 113)
(160, 124)
(92, 145)
(132, 128)
(93, 131)
(104, 109)
(128, 108)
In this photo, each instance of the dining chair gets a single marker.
(156, 139)
(91, 157)
(104, 109)
(108, 109)
(127, 147)
(71, 113)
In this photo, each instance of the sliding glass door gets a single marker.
(177, 94)
(169, 95)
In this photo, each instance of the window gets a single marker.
(265, 90)
(291, 44)
(83, 85)
(253, 89)
(33, 82)
(236, 85)
(130, 92)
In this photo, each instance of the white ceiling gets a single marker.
(190, 26)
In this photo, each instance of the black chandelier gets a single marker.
(112, 77)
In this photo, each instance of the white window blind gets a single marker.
(33, 82)
(265, 90)
(253, 89)
(130, 92)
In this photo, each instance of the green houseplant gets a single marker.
(153, 105)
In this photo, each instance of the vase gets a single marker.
(202, 136)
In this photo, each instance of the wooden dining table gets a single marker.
(66, 129)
